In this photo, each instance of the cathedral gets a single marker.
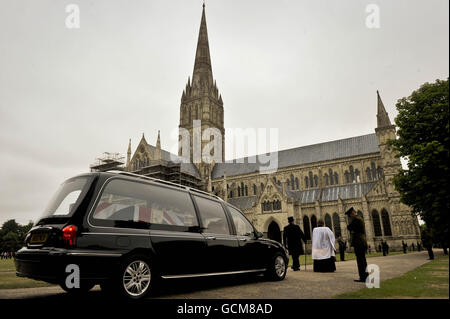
(313, 182)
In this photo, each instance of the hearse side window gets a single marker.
(213, 216)
(125, 204)
(242, 225)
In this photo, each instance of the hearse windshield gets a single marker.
(67, 198)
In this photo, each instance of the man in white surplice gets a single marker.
(322, 243)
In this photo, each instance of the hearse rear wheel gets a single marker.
(136, 278)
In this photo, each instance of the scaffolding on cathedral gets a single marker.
(107, 162)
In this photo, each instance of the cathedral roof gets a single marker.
(332, 193)
(349, 147)
(243, 203)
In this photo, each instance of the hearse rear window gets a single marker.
(134, 204)
(67, 197)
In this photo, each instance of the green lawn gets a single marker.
(9, 280)
(348, 256)
(427, 281)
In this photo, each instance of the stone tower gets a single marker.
(386, 131)
(202, 107)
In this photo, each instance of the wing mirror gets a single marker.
(258, 234)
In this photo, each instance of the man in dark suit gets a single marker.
(292, 240)
(358, 242)
(342, 247)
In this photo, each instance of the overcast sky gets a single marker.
(309, 68)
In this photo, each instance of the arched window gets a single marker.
(376, 223)
(297, 186)
(328, 222)
(337, 225)
(231, 194)
(262, 187)
(352, 174)
(347, 177)
(239, 191)
(288, 183)
(386, 223)
(311, 180)
(190, 116)
(254, 189)
(368, 174)
(246, 190)
(306, 228)
(316, 181)
(313, 222)
(374, 171)
(336, 178)
(306, 182)
(360, 214)
(357, 176)
(274, 180)
(380, 172)
(326, 179)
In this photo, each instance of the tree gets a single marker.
(12, 235)
(423, 139)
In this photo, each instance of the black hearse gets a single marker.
(124, 231)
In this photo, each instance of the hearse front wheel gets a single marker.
(135, 277)
(277, 267)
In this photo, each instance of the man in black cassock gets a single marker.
(405, 247)
(342, 247)
(292, 240)
(358, 242)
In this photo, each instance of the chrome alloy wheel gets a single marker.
(280, 266)
(136, 278)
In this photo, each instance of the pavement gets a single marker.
(297, 285)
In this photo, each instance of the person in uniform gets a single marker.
(342, 247)
(384, 245)
(292, 240)
(358, 242)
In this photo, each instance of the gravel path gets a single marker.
(297, 285)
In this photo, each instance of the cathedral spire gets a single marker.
(382, 116)
(129, 153)
(202, 66)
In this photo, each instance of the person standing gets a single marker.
(342, 247)
(292, 240)
(384, 245)
(358, 242)
(405, 247)
(419, 247)
(323, 250)
(413, 247)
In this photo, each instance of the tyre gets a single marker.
(135, 279)
(277, 268)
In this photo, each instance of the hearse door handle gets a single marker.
(210, 238)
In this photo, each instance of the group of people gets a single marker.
(6, 255)
(323, 245)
